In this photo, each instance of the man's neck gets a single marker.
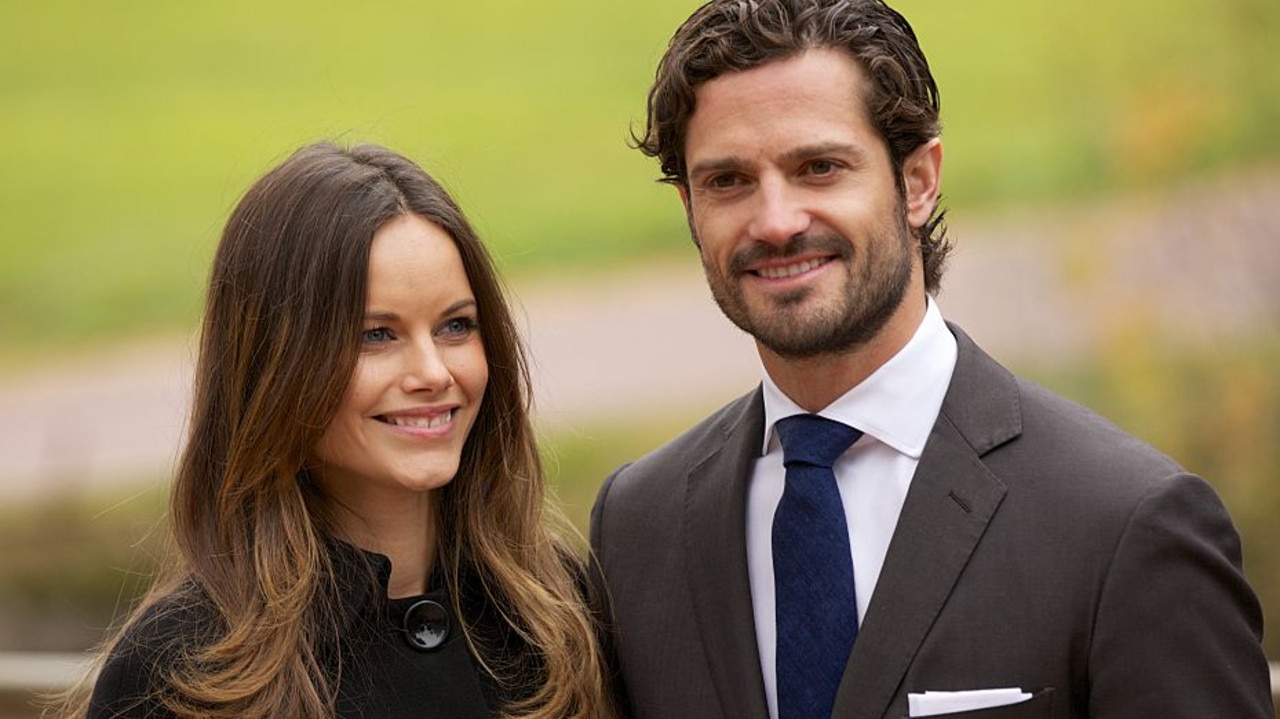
(815, 382)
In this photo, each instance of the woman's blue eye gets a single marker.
(458, 327)
(376, 335)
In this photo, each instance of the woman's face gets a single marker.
(421, 374)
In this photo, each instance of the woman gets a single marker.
(359, 509)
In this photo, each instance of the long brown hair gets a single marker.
(279, 346)
(725, 36)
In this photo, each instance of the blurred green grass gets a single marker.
(131, 128)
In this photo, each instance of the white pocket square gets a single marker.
(929, 704)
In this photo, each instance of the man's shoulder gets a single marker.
(1017, 418)
(1068, 457)
(1042, 444)
(672, 460)
(1052, 420)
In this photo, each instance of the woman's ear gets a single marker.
(922, 178)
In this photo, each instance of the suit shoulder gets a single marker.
(1074, 456)
(664, 467)
(696, 443)
(1028, 434)
(1050, 418)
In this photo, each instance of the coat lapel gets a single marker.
(716, 545)
(952, 498)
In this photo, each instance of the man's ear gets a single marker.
(922, 180)
(685, 200)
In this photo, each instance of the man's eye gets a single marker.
(821, 167)
(375, 336)
(722, 182)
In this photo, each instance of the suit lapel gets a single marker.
(716, 547)
(951, 500)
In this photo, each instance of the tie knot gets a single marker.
(814, 440)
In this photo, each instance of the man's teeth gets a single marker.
(421, 422)
(779, 273)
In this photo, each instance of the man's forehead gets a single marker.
(781, 109)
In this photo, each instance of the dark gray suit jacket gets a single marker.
(1039, 547)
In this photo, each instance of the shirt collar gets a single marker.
(898, 404)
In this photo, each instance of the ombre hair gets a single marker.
(279, 347)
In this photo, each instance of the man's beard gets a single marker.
(873, 290)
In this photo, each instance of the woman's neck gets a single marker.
(404, 531)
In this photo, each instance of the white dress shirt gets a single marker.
(895, 408)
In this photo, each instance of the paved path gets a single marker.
(1199, 263)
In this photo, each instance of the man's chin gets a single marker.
(807, 332)
(809, 348)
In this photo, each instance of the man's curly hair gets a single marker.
(725, 36)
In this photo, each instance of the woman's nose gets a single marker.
(425, 369)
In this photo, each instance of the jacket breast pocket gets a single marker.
(1039, 706)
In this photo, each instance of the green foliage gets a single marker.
(68, 567)
(1042, 99)
(132, 127)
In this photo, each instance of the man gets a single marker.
(954, 529)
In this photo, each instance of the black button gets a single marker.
(426, 625)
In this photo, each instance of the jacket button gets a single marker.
(426, 625)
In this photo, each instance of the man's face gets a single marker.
(791, 197)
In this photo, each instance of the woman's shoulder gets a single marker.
(132, 679)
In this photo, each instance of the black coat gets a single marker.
(378, 673)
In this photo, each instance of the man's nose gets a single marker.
(779, 213)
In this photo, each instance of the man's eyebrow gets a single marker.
(796, 154)
(807, 152)
(716, 164)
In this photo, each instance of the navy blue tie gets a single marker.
(817, 615)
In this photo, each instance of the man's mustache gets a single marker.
(827, 243)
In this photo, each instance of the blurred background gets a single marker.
(1110, 168)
